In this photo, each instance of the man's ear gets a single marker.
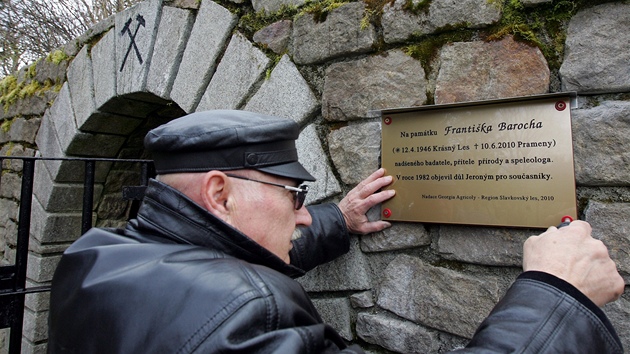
(215, 193)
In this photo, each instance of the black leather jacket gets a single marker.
(179, 280)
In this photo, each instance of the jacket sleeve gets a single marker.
(324, 240)
(544, 314)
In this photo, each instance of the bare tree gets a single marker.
(30, 29)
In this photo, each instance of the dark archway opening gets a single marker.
(145, 111)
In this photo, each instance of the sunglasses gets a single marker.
(299, 193)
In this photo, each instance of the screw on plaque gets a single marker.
(561, 106)
(387, 120)
(387, 213)
(565, 221)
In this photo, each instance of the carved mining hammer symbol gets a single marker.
(132, 37)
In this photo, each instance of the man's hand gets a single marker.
(571, 254)
(363, 197)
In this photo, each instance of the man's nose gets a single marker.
(303, 217)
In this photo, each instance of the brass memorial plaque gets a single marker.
(500, 162)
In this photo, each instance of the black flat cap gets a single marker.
(227, 140)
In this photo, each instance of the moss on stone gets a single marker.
(30, 89)
(9, 91)
(320, 9)
(7, 84)
(8, 151)
(374, 12)
(275, 59)
(425, 48)
(31, 71)
(543, 26)
(12, 90)
(6, 125)
(515, 21)
(57, 56)
(252, 22)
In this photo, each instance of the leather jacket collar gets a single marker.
(168, 216)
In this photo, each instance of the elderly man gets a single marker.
(207, 266)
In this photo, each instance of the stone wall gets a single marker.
(414, 288)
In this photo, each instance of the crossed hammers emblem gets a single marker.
(132, 36)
